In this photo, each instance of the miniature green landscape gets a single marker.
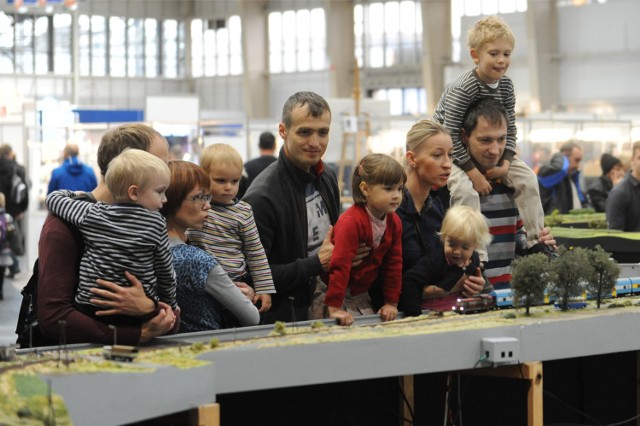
(27, 399)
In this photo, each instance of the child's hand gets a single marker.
(388, 312)
(498, 171)
(432, 291)
(265, 302)
(343, 317)
(479, 181)
(473, 284)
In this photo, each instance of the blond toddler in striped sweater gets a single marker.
(230, 233)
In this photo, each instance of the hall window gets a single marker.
(388, 33)
(151, 48)
(403, 101)
(297, 41)
(135, 47)
(62, 43)
(117, 47)
(216, 47)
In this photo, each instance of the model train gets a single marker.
(628, 286)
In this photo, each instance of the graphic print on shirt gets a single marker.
(318, 221)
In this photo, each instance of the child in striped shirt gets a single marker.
(230, 233)
(129, 235)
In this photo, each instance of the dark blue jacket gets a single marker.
(74, 176)
(555, 185)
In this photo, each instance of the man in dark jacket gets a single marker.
(72, 174)
(295, 203)
(560, 181)
(612, 173)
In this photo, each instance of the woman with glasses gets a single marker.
(204, 289)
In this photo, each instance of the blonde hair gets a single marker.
(466, 224)
(375, 169)
(3, 201)
(487, 30)
(420, 132)
(133, 167)
(220, 153)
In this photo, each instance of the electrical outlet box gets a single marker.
(501, 350)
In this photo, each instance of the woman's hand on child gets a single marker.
(246, 290)
(343, 317)
(118, 300)
(265, 302)
(388, 312)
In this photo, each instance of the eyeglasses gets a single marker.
(200, 199)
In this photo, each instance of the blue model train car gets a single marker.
(626, 287)
(503, 298)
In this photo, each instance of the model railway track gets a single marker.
(267, 331)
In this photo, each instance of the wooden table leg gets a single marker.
(209, 415)
(531, 371)
(407, 401)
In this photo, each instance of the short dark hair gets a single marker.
(267, 141)
(317, 105)
(114, 141)
(490, 109)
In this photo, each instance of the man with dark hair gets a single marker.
(252, 168)
(612, 174)
(295, 202)
(560, 181)
(72, 174)
(484, 134)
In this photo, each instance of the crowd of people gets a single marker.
(164, 246)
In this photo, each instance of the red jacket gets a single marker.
(354, 227)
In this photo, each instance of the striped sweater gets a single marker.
(230, 234)
(119, 238)
(506, 229)
(454, 102)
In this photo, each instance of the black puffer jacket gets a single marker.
(278, 200)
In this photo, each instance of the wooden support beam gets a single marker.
(209, 415)
(406, 400)
(531, 371)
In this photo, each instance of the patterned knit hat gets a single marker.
(608, 162)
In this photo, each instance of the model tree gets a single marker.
(571, 269)
(605, 273)
(531, 275)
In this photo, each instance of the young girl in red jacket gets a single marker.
(376, 186)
